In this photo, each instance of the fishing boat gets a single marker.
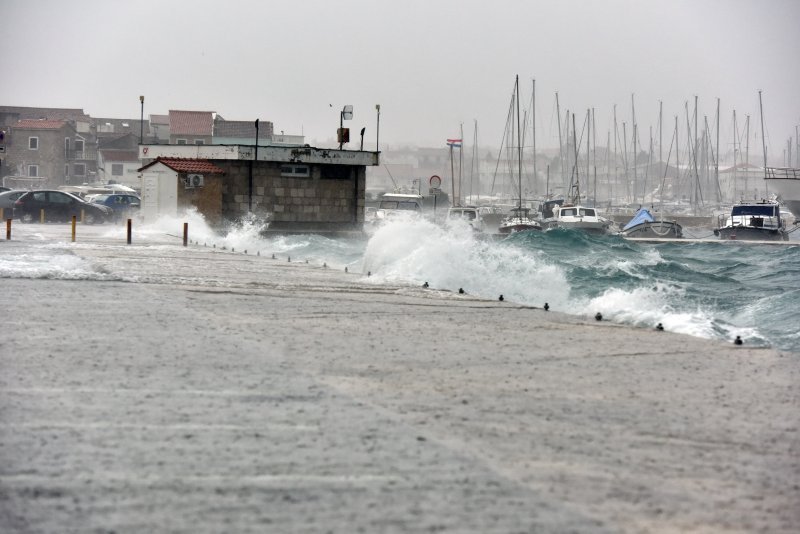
(572, 214)
(519, 219)
(472, 215)
(643, 224)
(753, 221)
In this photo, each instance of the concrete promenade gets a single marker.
(188, 389)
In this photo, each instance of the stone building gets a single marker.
(298, 189)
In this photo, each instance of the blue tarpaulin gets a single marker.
(642, 215)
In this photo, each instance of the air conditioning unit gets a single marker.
(194, 180)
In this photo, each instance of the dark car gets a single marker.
(122, 204)
(7, 200)
(58, 206)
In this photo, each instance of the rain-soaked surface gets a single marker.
(155, 387)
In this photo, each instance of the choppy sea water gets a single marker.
(709, 290)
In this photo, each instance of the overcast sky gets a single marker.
(431, 65)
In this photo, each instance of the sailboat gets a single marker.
(572, 214)
(643, 224)
(519, 219)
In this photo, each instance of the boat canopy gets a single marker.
(642, 215)
(758, 210)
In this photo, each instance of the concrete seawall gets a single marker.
(197, 390)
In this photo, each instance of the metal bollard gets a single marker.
(185, 233)
(41, 215)
(129, 231)
(83, 216)
(74, 220)
(8, 229)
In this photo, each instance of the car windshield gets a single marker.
(100, 198)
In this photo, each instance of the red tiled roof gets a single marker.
(185, 165)
(33, 124)
(190, 122)
(119, 155)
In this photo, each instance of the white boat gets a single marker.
(753, 221)
(643, 224)
(473, 215)
(519, 221)
(579, 218)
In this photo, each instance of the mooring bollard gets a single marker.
(8, 229)
(129, 231)
(73, 227)
(185, 233)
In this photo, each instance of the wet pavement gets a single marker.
(185, 389)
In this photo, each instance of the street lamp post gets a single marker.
(378, 129)
(141, 121)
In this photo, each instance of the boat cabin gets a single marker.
(575, 211)
(765, 215)
(400, 201)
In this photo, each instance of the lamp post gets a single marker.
(141, 121)
(378, 129)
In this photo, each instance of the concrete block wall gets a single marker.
(314, 202)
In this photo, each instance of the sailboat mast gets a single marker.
(588, 146)
(735, 136)
(594, 154)
(460, 164)
(677, 160)
(660, 128)
(560, 141)
(716, 161)
(747, 153)
(519, 143)
(533, 113)
(577, 176)
(633, 143)
(477, 159)
(616, 136)
(763, 137)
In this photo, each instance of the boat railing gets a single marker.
(782, 173)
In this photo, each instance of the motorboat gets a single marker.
(519, 220)
(643, 224)
(473, 215)
(578, 217)
(753, 221)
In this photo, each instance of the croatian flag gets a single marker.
(454, 143)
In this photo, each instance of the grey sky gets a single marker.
(431, 65)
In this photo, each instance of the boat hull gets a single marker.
(746, 233)
(657, 229)
(521, 227)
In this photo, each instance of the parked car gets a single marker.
(58, 206)
(7, 200)
(122, 204)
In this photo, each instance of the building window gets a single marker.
(66, 170)
(336, 172)
(116, 169)
(296, 171)
(33, 170)
(199, 142)
(79, 169)
(33, 143)
(180, 141)
(79, 146)
(66, 147)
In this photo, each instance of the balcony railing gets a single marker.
(79, 155)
